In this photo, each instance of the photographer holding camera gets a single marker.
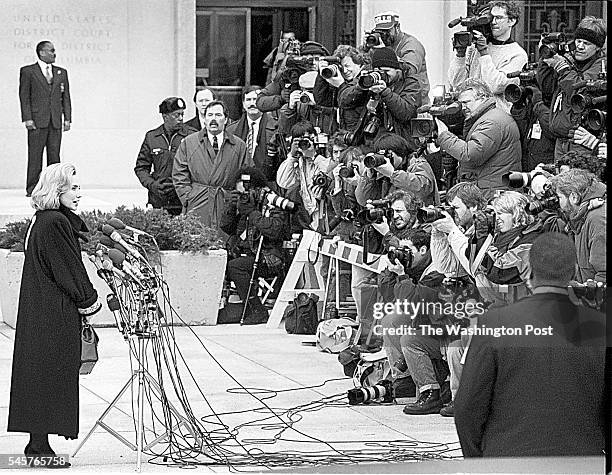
(307, 172)
(413, 278)
(504, 272)
(337, 75)
(408, 49)
(454, 237)
(585, 63)
(400, 170)
(490, 59)
(249, 215)
(582, 199)
(286, 81)
(386, 91)
(492, 143)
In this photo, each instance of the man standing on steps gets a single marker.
(44, 94)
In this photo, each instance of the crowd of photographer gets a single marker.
(451, 190)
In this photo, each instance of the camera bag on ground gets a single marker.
(372, 368)
(301, 316)
(335, 334)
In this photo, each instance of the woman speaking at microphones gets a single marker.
(56, 294)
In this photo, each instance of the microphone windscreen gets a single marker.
(106, 241)
(119, 247)
(454, 23)
(108, 230)
(116, 256)
(116, 223)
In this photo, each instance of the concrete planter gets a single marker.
(195, 282)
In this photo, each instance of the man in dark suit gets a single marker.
(202, 97)
(256, 128)
(539, 392)
(44, 93)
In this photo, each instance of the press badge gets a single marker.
(536, 131)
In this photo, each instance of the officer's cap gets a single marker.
(171, 104)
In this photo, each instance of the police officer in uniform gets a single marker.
(154, 162)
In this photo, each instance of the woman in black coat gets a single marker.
(56, 294)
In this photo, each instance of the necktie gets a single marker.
(49, 74)
(215, 144)
(250, 139)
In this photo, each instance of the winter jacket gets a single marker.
(326, 95)
(588, 227)
(492, 147)
(562, 118)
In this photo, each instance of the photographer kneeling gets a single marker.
(254, 212)
(410, 347)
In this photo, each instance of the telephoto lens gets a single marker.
(516, 179)
(320, 179)
(430, 214)
(382, 390)
(367, 80)
(400, 256)
(304, 98)
(549, 201)
(373, 160)
(330, 71)
(277, 201)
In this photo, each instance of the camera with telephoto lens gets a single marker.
(592, 95)
(381, 208)
(369, 78)
(376, 38)
(263, 195)
(401, 256)
(524, 179)
(595, 121)
(373, 160)
(549, 201)
(382, 390)
(429, 214)
(333, 67)
(555, 43)
(479, 19)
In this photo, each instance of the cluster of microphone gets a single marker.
(118, 254)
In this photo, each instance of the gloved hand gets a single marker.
(167, 186)
(581, 136)
(157, 188)
(482, 226)
(602, 151)
(481, 43)
(246, 206)
(557, 62)
(285, 93)
(233, 197)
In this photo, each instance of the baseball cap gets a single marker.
(385, 20)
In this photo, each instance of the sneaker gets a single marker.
(429, 402)
(448, 410)
(404, 387)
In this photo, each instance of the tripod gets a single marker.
(144, 378)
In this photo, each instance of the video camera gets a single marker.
(591, 102)
(555, 43)
(444, 106)
(478, 20)
(263, 195)
(376, 38)
(382, 208)
(402, 256)
(519, 94)
(429, 214)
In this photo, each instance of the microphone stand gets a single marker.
(252, 281)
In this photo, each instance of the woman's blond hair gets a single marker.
(513, 203)
(54, 180)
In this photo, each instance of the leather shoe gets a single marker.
(448, 410)
(429, 402)
(44, 457)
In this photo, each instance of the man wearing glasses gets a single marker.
(490, 59)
